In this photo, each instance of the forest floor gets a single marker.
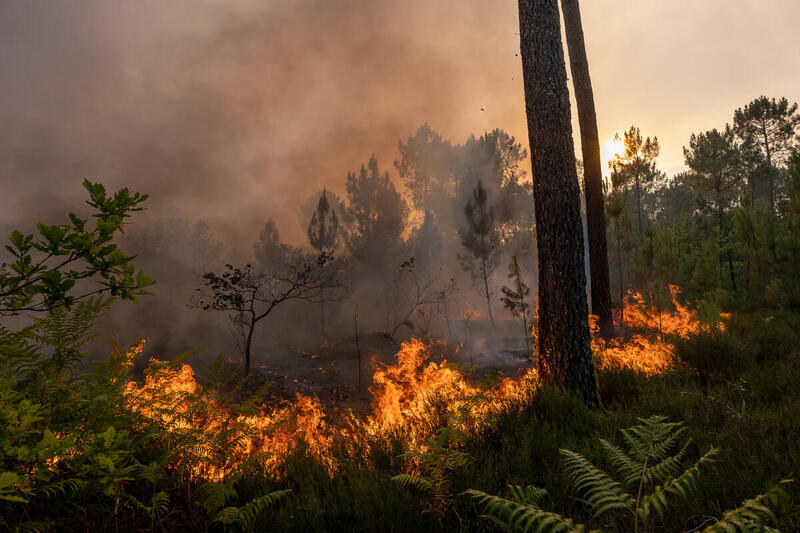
(748, 407)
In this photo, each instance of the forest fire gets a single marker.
(648, 354)
(411, 400)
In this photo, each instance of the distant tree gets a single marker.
(750, 237)
(323, 230)
(48, 269)
(377, 214)
(615, 210)
(270, 253)
(592, 171)
(250, 296)
(495, 160)
(425, 165)
(772, 126)
(565, 355)
(178, 242)
(480, 239)
(715, 164)
(419, 290)
(636, 166)
(714, 161)
(673, 199)
(309, 206)
(427, 242)
(514, 298)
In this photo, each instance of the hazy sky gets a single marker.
(235, 111)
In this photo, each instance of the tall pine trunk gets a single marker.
(565, 356)
(592, 170)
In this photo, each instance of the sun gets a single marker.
(611, 148)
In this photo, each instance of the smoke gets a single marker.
(236, 111)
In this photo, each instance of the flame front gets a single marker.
(411, 399)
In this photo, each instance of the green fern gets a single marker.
(214, 496)
(597, 487)
(752, 514)
(529, 495)
(417, 483)
(434, 484)
(245, 517)
(523, 514)
(647, 465)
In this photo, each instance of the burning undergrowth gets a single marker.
(644, 348)
(214, 435)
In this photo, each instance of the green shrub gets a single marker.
(773, 337)
(710, 352)
(618, 386)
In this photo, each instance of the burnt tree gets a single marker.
(250, 296)
(592, 172)
(565, 356)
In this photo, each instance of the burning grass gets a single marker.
(411, 399)
(645, 351)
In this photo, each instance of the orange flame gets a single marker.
(411, 399)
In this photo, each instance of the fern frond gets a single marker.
(652, 439)
(599, 489)
(417, 483)
(667, 468)
(529, 495)
(60, 488)
(621, 462)
(456, 460)
(514, 516)
(214, 496)
(246, 515)
(752, 514)
(681, 486)
(160, 503)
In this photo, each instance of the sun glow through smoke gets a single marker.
(611, 148)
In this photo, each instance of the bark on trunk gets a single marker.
(592, 170)
(565, 356)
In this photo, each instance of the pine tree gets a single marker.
(480, 239)
(592, 172)
(636, 167)
(514, 297)
(771, 125)
(565, 356)
(323, 230)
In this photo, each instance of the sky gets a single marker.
(234, 111)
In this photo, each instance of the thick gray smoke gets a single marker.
(234, 112)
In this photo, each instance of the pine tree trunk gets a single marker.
(619, 270)
(592, 170)
(565, 356)
(322, 312)
(486, 289)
